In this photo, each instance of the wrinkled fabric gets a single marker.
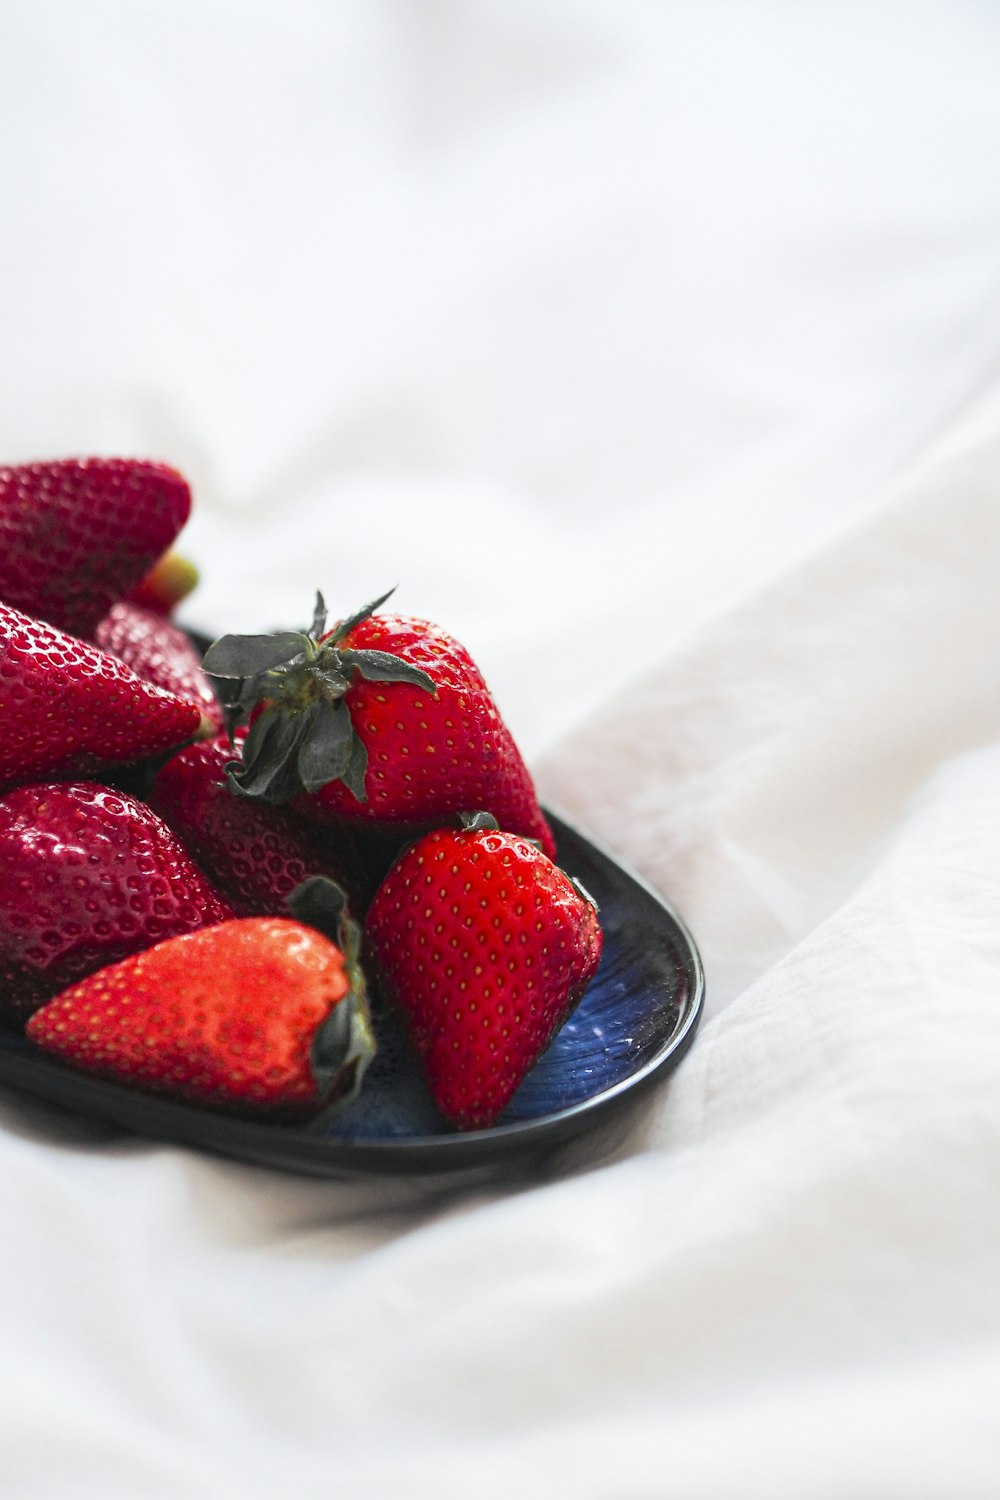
(653, 350)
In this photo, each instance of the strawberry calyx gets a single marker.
(303, 738)
(344, 1044)
(480, 822)
(583, 893)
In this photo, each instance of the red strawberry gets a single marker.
(485, 946)
(161, 653)
(168, 581)
(385, 719)
(256, 853)
(77, 534)
(258, 1014)
(68, 707)
(87, 876)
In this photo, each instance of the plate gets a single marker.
(633, 1025)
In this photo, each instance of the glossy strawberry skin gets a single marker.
(256, 853)
(78, 534)
(223, 1017)
(66, 707)
(161, 653)
(432, 756)
(485, 947)
(88, 875)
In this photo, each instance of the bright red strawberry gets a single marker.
(161, 653)
(78, 534)
(168, 581)
(485, 946)
(67, 707)
(261, 1014)
(88, 875)
(256, 853)
(385, 719)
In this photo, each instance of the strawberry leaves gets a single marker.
(247, 656)
(345, 1044)
(382, 666)
(269, 769)
(331, 751)
(304, 737)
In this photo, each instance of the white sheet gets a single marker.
(652, 349)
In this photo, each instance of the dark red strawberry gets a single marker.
(261, 1014)
(67, 707)
(170, 579)
(485, 946)
(256, 853)
(161, 653)
(385, 719)
(87, 876)
(80, 533)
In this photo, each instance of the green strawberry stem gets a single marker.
(304, 738)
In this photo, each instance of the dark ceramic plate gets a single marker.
(633, 1025)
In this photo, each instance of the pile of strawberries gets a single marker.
(213, 869)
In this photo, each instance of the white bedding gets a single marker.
(653, 349)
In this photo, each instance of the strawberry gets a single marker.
(256, 853)
(78, 534)
(170, 579)
(66, 707)
(88, 875)
(485, 946)
(161, 653)
(258, 1014)
(385, 719)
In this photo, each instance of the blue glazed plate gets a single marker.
(632, 1026)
